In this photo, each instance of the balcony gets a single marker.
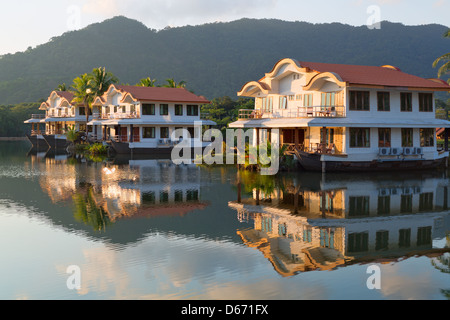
(38, 116)
(60, 115)
(301, 112)
(116, 115)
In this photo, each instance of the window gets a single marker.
(308, 100)
(359, 138)
(424, 236)
(178, 196)
(425, 102)
(192, 195)
(163, 196)
(191, 131)
(164, 109)
(328, 99)
(384, 205)
(358, 206)
(407, 138)
(148, 109)
(384, 138)
(406, 102)
(266, 224)
(382, 240)
(192, 110)
(426, 201)
(404, 238)
(427, 137)
(358, 242)
(148, 133)
(406, 203)
(178, 109)
(283, 102)
(384, 101)
(148, 198)
(82, 111)
(359, 100)
(164, 133)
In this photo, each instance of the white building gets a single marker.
(61, 114)
(347, 117)
(143, 119)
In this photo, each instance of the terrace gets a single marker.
(301, 112)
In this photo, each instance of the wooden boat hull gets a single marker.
(55, 142)
(312, 162)
(124, 148)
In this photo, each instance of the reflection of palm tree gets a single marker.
(87, 211)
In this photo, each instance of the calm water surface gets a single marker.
(146, 229)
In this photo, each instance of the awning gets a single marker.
(341, 122)
(60, 120)
(141, 122)
(34, 121)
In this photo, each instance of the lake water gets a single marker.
(146, 229)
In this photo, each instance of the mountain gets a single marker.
(214, 59)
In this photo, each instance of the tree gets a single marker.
(445, 68)
(102, 80)
(147, 82)
(84, 92)
(62, 87)
(172, 84)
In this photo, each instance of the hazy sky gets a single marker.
(25, 23)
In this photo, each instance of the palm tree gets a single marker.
(84, 92)
(101, 80)
(445, 68)
(172, 84)
(62, 87)
(147, 82)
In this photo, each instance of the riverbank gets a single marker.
(13, 138)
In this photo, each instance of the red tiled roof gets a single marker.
(66, 95)
(162, 94)
(377, 76)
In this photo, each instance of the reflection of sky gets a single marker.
(167, 266)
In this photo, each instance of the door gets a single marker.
(123, 134)
(136, 135)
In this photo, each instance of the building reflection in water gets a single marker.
(104, 193)
(313, 222)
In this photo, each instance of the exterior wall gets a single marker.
(395, 103)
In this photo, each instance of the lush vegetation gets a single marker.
(214, 59)
(13, 116)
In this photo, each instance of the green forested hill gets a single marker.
(214, 59)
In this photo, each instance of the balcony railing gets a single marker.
(60, 115)
(38, 116)
(117, 115)
(301, 112)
